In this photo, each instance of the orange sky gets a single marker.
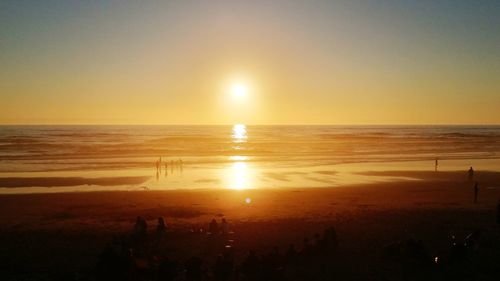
(320, 62)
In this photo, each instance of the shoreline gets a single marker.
(448, 189)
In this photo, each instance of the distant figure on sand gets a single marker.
(498, 212)
(161, 227)
(476, 191)
(436, 165)
(471, 174)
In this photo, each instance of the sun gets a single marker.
(239, 90)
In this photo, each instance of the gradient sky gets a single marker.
(305, 62)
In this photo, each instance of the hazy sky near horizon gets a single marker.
(306, 62)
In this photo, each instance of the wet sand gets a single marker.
(65, 232)
(15, 182)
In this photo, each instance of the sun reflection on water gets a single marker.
(238, 175)
(239, 133)
(238, 158)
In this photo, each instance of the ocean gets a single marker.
(92, 158)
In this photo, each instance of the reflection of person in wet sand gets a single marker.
(476, 191)
(181, 164)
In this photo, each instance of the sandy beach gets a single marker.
(65, 232)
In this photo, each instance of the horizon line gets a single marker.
(255, 124)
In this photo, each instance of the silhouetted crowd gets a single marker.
(119, 260)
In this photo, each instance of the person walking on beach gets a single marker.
(476, 191)
(471, 174)
(436, 165)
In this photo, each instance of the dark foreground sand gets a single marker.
(44, 236)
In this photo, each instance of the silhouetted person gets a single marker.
(498, 212)
(472, 240)
(218, 270)
(110, 266)
(306, 248)
(471, 174)
(167, 270)
(213, 227)
(330, 239)
(223, 268)
(140, 227)
(272, 265)
(224, 227)
(458, 251)
(414, 249)
(476, 191)
(193, 268)
(317, 246)
(436, 165)
(291, 254)
(250, 268)
(161, 227)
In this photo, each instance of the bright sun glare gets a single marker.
(239, 133)
(239, 90)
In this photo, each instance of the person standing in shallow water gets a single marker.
(476, 191)
(471, 174)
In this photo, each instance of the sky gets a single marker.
(302, 62)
